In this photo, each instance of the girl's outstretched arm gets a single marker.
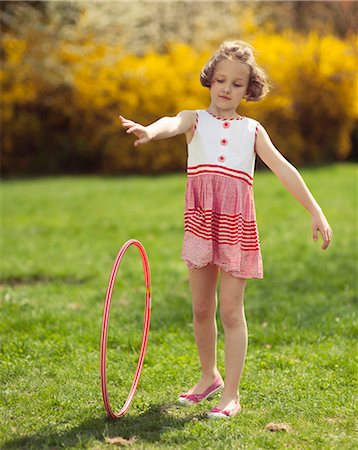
(163, 128)
(294, 183)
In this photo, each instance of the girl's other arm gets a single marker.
(294, 183)
(163, 128)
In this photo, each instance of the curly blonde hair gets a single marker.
(258, 86)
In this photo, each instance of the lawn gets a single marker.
(59, 239)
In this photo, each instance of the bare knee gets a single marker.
(232, 317)
(232, 301)
(203, 311)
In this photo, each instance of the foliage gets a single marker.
(313, 107)
(62, 91)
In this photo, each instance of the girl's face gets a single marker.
(229, 84)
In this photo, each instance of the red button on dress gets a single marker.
(221, 158)
(224, 141)
(226, 124)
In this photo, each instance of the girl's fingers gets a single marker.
(140, 141)
(133, 129)
(324, 229)
(326, 239)
(126, 122)
(137, 129)
(315, 234)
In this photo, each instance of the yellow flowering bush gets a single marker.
(313, 106)
(71, 123)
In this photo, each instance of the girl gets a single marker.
(220, 232)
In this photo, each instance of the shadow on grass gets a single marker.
(147, 426)
(30, 280)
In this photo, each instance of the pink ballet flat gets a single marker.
(217, 413)
(190, 399)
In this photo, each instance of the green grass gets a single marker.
(59, 239)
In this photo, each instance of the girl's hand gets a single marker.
(319, 223)
(136, 128)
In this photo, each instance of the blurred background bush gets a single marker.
(68, 69)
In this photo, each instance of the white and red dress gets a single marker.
(220, 219)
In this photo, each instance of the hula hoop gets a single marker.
(104, 333)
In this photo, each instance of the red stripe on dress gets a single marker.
(247, 247)
(220, 167)
(206, 172)
(224, 222)
(224, 239)
(229, 222)
(219, 241)
(220, 229)
(221, 215)
(230, 231)
(222, 225)
(228, 235)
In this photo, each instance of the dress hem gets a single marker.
(234, 273)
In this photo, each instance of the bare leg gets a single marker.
(232, 313)
(203, 283)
